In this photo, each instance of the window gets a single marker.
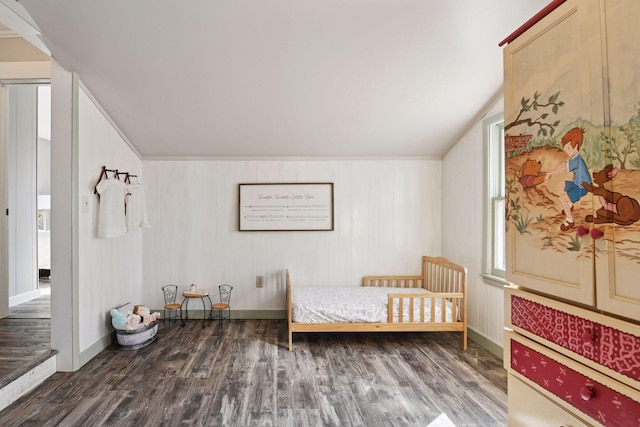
(495, 260)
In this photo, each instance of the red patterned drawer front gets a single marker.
(594, 399)
(609, 347)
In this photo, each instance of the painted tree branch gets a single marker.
(527, 105)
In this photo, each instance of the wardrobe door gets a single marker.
(553, 91)
(618, 179)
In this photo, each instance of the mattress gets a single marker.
(355, 305)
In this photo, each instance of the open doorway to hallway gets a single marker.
(28, 173)
(25, 338)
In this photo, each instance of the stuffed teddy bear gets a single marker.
(118, 319)
(141, 310)
(149, 319)
(133, 322)
(145, 314)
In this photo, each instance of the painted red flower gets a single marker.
(596, 233)
(582, 230)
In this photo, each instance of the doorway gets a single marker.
(28, 172)
(26, 111)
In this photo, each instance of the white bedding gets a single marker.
(354, 304)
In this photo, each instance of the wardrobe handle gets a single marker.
(586, 392)
(588, 337)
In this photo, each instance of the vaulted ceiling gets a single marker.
(286, 78)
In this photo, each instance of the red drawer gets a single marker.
(598, 401)
(602, 344)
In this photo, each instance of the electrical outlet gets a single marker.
(259, 281)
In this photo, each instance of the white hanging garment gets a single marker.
(136, 208)
(111, 216)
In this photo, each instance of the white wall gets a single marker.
(109, 269)
(21, 190)
(44, 166)
(387, 215)
(89, 275)
(64, 307)
(4, 223)
(462, 228)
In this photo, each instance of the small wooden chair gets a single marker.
(224, 304)
(170, 293)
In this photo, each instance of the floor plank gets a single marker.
(24, 343)
(25, 336)
(242, 374)
(39, 308)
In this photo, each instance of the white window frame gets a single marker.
(494, 252)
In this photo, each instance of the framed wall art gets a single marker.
(286, 207)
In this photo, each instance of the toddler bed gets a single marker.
(433, 301)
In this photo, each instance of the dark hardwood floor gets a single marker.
(25, 337)
(242, 374)
(37, 309)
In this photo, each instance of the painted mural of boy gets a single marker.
(571, 191)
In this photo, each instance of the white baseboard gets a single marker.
(494, 348)
(95, 348)
(196, 314)
(26, 297)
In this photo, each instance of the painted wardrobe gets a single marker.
(572, 147)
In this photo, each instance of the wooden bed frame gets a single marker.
(444, 280)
